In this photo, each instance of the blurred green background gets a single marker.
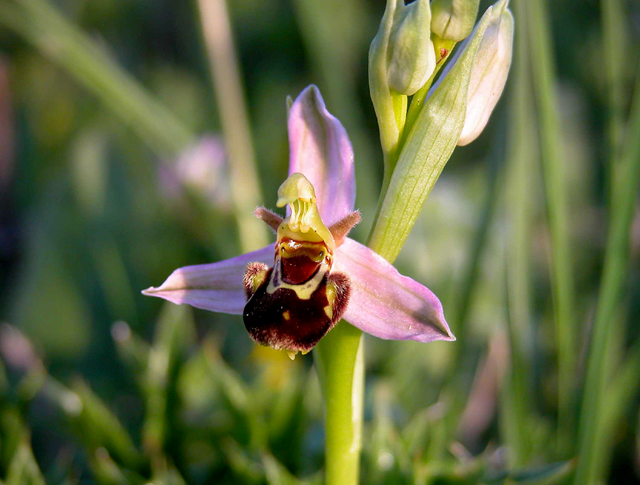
(95, 207)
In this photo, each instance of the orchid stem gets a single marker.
(227, 82)
(340, 361)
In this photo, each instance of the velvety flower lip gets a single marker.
(381, 301)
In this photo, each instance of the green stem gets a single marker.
(340, 360)
(245, 188)
(624, 192)
(555, 179)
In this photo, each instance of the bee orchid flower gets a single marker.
(293, 292)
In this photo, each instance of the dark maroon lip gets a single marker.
(282, 320)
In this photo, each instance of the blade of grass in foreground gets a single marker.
(624, 193)
(42, 25)
(555, 180)
(228, 86)
(521, 182)
(619, 396)
(615, 67)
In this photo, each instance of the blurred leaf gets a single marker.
(132, 350)
(249, 426)
(48, 307)
(167, 475)
(107, 472)
(92, 421)
(12, 434)
(277, 474)
(99, 427)
(547, 475)
(195, 386)
(616, 69)
(175, 334)
(388, 460)
(112, 273)
(89, 169)
(244, 467)
(4, 383)
(287, 421)
(623, 207)
(23, 469)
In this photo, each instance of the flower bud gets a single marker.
(489, 72)
(412, 59)
(453, 19)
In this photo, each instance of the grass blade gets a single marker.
(520, 191)
(244, 182)
(555, 181)
(624, 193)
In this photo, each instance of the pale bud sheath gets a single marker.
(453, 19)
(489, 72)
(412, 59)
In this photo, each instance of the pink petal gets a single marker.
(216, 287)
(321, 151)
(386, 304)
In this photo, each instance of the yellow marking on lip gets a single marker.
(257, 280)
(328, 311)
(287, 315)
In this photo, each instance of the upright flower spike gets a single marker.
(428, 146)
(292, 293)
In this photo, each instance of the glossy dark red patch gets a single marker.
(283, 321)
(298, 269)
